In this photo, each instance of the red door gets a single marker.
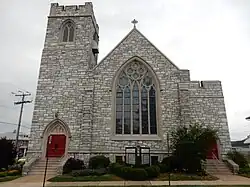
(56, 145)
(213, 152)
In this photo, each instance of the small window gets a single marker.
(68, 32)
(154, 160)
(119, 159)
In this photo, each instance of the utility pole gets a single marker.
(22, 102)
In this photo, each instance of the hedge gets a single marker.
(99, 161)
(130, 173)
(73, 164)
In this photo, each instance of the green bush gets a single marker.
(137, 174)
(99, 161)
(244, 170)
(153, 171)
(99, 171)
(73, 164)
(191, 145)
(13, 172)
(89, 172)
(18, 167)
(115, 168)
(3, 174)
(238, 158)
(163, 168)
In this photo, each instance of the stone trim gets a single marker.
(61, 31)
(158, 92)
(135, 30)
(71, 16)
(113, 152)
(232, 166)
(49, 130)
(136, 137)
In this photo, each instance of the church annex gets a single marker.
(135, 96)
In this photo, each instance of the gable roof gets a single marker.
(136, 31)
(241, 143)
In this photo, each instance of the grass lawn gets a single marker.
(69, 178)
(9, 178)
(110, 177)
(184, 177)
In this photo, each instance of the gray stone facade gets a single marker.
(72, 85)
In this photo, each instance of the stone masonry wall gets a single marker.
(64, 78)
(204, 104)
(83, 96)
(135, 44)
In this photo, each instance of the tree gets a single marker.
(7, 153)
(191, 145)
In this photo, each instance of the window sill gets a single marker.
(136, 137)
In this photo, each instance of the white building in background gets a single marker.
(242, 146)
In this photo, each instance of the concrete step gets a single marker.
(43, 165)
(41, 173)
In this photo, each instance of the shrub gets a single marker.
(3, 174)
(163, 168)
(190, 146)
(238, 158)
(244, 170)
(98, 161)
(169, 164)
(115, 168)
(152, 171)
(73, 164)
(136, 174)
(99, 171)
(88, 172)
(17, 167)
(13, 172)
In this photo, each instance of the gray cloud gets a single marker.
(209, 37)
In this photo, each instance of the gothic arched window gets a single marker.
(68, 32)
(135, 100)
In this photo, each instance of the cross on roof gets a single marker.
(134, 22)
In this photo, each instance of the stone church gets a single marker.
(134, 97)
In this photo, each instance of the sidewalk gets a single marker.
(36, 181)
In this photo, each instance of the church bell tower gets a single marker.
(70, 52)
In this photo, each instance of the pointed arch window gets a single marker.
(68, 32)
(135, 101)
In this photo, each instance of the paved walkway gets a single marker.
(36, 181)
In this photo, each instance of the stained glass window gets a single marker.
(136, 101)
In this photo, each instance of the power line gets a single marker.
(22, 102)
(7, 123)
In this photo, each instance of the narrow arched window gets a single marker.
(68, 32)
(135, 100)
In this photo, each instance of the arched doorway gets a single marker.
(55, 139)
(213, 152)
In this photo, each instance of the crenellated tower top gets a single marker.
(57, 10)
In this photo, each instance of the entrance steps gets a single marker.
(39, 167)
(217, 167)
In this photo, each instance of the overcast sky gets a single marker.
(211, 38)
